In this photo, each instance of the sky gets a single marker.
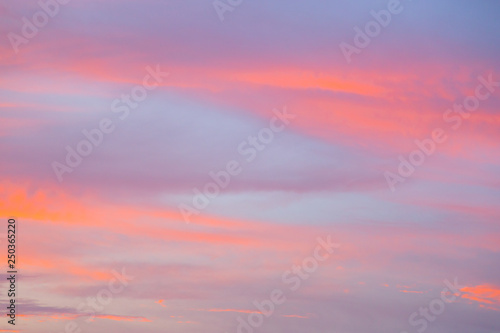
(251, 166)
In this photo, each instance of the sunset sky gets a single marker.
(117, 116)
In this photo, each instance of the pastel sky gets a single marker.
(352, 119)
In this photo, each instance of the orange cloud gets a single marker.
(412, 291)
(49, 317)
(486, 294)
(123, 318)
(227, 310)
(298, 316)
(161, 302)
